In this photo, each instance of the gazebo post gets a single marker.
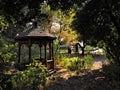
(45, 52)
(29, 46)
(19, 52)
(50, 54)
(40, 46)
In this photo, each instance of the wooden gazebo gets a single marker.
(45, 41)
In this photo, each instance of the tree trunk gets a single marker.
(83, 51)
(82, 46)
(76, 48)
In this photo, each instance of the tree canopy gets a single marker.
(99, 21)
(19, 11)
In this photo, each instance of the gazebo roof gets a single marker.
(34, 33)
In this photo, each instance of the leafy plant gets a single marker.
(5, 83)
(6, 56)
(88, 61)
(76, 64)
(30, 78)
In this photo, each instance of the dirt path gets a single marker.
(90, 79)
(99, 60)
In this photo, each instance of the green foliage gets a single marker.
(112, 47)
(88, 61)
(75, 63)
(61, 60)
(3, 23)
(7, 53)
(7, 56)
(30, 78)
(17, 10)
(57, 59)
(56, 47)
(88, 48)
(66, 35)
(5, 82)
(100, 26)
(81, 63)
(101, 44)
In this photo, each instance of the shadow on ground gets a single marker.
(88, 79)
(92, 80)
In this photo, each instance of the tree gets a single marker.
(96, 21)
(13, 14)
(64, 5)
(69, 35)
(17, 22)
(101, 23)
(61, 28)
(19, 11)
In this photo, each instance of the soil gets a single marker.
(87, 79)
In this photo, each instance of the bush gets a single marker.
(80, 63)
(61, 60)
(6, 55)
(58, 59)
(5, 82)
(76, 64)
(30, 78)
(88, 61)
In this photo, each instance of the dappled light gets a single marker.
(86, 79)
(91, 80)
(60, 45)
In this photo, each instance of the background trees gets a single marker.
(62, 27)
(94, 23)
(14, 15)
(99, 21)
(19, 11)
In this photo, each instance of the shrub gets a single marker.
(6, 56)
(5, 82)
(88, 61)
(76, 64)
(30, 78)
(57, 59)
(61, 60)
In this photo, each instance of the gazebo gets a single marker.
(45, 41)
